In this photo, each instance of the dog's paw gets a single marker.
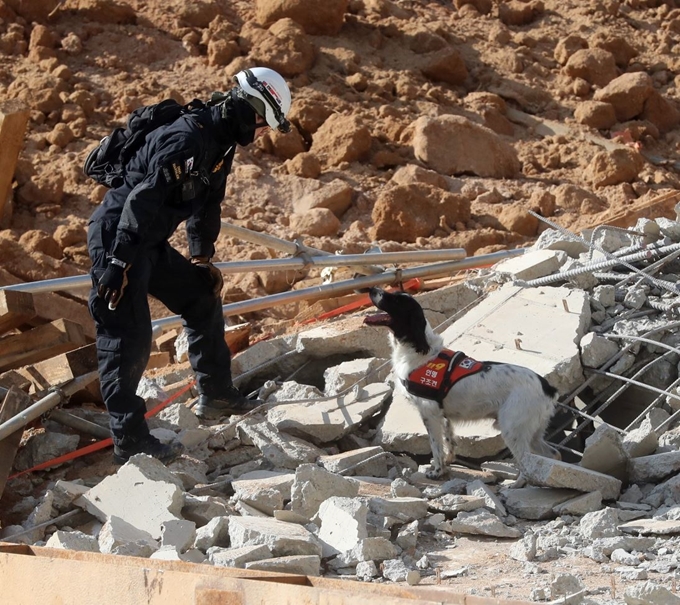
(435, 473)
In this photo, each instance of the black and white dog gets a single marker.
(447, 386)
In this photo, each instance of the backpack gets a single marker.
(106, 162)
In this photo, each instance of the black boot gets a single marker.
(230, 403)
(128, 446)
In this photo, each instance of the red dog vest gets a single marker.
(435, 379)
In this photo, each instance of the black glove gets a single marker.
(111, 285)
(214, 274)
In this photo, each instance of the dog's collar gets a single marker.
(434, 379)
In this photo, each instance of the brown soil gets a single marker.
(81, 66)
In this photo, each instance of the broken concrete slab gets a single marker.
(215, 533)
(143, 493)
(604, 453)
(325, 420)
(118, 537)
(344, 336)
(482, 523)
(555, 473)
(238, 557)
(451, 504)
(73, 540)
(369, 549)
(355, 460)
(179, 534)
(402, 428)
(362, 371)
(343, 524)
(547, 325)
(313, 485)
(304, 565)
(281, 538)
(265, 490)
(403, 509)
(647, 469)
(203, 509)
(532, 264)
(652, 527)
(283, 451)
(581, 505)
(535, 503)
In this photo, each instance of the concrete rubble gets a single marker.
(330, 479)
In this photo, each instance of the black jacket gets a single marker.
(178, 175)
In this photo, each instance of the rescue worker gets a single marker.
(179, 175)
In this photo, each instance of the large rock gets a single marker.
(594, 65)
(614, 167)
(406, 212)
(317, 17)
(455, 145)
(627, 94)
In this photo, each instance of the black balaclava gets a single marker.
(238, 115)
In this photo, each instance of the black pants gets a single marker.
(124, 335)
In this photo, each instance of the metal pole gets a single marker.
(269, 264)
(343, 287)
(45, 404)
(282, 245)
(341, 260)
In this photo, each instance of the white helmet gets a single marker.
(268, 94)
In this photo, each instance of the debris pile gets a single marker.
(329, 476)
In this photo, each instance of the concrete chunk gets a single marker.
(535, 503)
(370, 549)
(265, 490)
(403, 509)
(142, 493)
(313, 485)
(73, 540)
(215, 533)
(280, 449)
(532, 264)
(555, 473)
(338, 463)
(282, 538)
(343, 524)
(361, 371)
(327, 420)
(451, 505)
(118, 537)
(647, 469)
(238, 557)
(304, 565)
(604, 453)
(178, 534)
(480, 522)
(402, 428)
(581, 505)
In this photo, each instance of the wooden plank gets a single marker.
(13, 119)
(67, 366)
(40, 343)
(16, 308)
(237, 337)
(79, 577)
(14, 379)
(15, 401)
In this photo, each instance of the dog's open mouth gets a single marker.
(379, 319)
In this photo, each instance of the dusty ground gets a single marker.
(81, 65)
